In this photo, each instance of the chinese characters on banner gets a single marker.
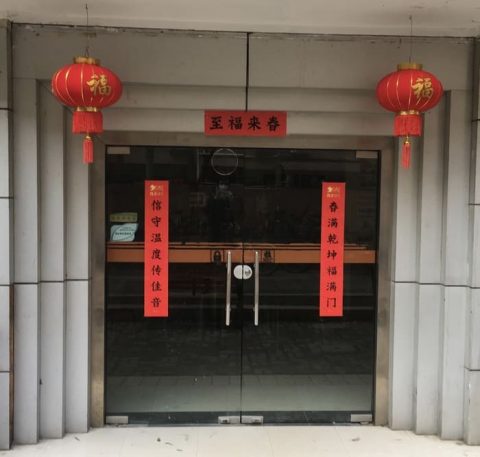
(332, 249)
(156, 249)
(246, 123)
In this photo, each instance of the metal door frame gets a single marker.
(386, 147)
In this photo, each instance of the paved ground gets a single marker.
(246, 441)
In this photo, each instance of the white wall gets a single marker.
(327, 86)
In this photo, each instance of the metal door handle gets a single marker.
(257, 291)
(229, 289)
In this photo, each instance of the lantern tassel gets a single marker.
(87, 149)
(87, 122)
(408, 124)
(406, 152)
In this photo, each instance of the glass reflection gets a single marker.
(293, 367)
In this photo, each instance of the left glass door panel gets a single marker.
(184, 368)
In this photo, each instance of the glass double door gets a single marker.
(243, 342)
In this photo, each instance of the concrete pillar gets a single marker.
(402, 326)
(430, 292)
(427, 358)
(77, 286)
(26, 231)
(404, 294)
(6, 239)
(472, 359)
(52, 267)
(455, 271)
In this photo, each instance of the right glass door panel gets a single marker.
(296, 366)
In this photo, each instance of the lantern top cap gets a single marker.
(409, 66)
(84, 59)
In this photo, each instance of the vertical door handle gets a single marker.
(257, 291)
(229, 289)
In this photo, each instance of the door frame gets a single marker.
(386, 147)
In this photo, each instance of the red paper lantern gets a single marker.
(87, 87)
(409, 92)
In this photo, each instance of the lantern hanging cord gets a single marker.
(87, 47)
(411, 39)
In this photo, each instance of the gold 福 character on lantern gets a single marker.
(423, 88)
(99, 84)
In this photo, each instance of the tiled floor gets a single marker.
(246, 441)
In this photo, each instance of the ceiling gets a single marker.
(366, 17)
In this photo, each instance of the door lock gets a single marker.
(242, 272)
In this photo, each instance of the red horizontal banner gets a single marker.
(156, 249)
(246, 123)
(332, 249)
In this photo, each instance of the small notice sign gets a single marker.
(246, 123)
(332, 246)
(156, 249)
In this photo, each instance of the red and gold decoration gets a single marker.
(156, 249)
(332, 248)
(409, 92)
(245, 123)
(87, 87)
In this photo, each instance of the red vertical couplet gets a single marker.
(156, 249)
(332, 249)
